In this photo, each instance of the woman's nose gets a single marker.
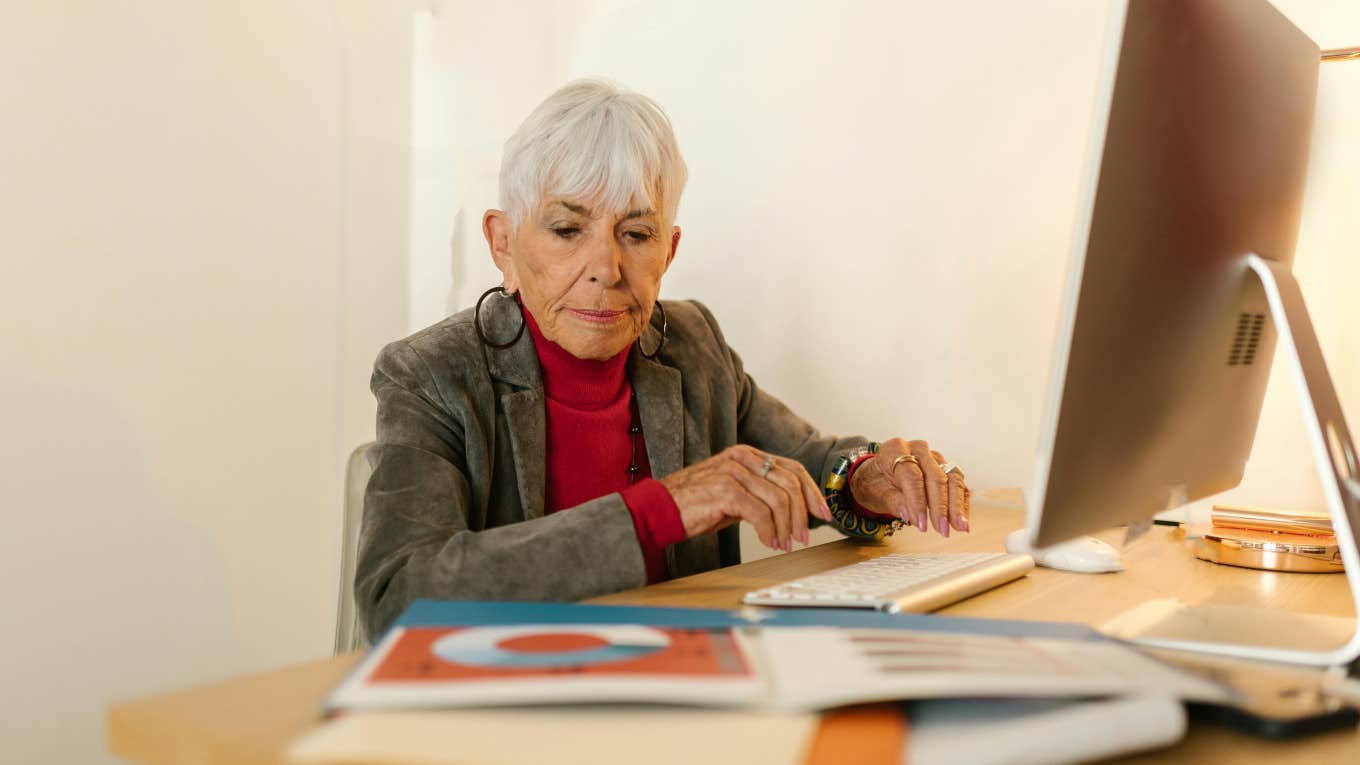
(605, 263)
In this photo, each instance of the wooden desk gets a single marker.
(252, 720)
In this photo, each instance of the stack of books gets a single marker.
(1062, 690)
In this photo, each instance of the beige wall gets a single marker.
(876, 212)
(1281, 471)
(203, 212)
(881, 197)
(204, 217)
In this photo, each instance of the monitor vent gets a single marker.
(1247, 339)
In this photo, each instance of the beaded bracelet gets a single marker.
(841, 511)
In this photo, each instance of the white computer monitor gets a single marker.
(1180, 285)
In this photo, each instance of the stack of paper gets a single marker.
(519, 683)
(479, 654)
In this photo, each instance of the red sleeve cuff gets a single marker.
(656, 518)
(856, 507)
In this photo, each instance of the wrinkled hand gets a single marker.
(916, 490)
(729, 487)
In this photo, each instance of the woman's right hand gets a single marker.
(736, 485)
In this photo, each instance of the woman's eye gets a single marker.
(639, 236)
(566, 232)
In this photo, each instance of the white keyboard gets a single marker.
(911, 582)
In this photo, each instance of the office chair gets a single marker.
(348, 636)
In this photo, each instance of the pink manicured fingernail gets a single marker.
(826, 512)
(964, 523)
(921, 524)
(943, 526)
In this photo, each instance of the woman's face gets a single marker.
(589, 277)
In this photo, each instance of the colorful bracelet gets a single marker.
(842, 513)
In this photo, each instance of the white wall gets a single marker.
(1281, 471)
(203, 212)
(881, 196)
(876, 212)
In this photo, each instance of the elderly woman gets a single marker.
(571, 435)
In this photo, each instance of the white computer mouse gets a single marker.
(1085, 555)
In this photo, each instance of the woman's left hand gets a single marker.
(905, 480)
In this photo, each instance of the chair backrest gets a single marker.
(348, 636)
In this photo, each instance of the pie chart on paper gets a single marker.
(546, 646)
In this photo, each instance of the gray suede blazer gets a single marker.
(454, 509)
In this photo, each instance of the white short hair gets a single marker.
(592, 140)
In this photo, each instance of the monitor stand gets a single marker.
(1339, 469)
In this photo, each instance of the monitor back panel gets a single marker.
(1166, 340)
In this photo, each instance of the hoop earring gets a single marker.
(664, 325)
(477, 320)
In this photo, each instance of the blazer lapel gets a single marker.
(529, 444)
(661, 410)
(525, 418)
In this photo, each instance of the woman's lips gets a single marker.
(596, 316)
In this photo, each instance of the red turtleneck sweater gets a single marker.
(589, 412)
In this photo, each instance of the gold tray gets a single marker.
(1270, 551)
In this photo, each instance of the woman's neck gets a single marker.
(579, 383)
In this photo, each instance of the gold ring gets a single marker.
(767, 467)
(904, 458)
